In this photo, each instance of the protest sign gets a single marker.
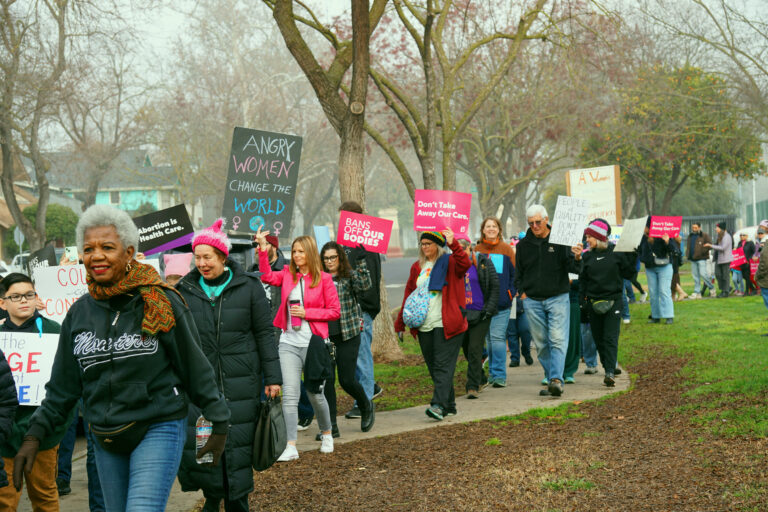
(45, 257)
(59, 288)
(30, 356)
(322, 236)
(753, 264)
(261, 181)
(164, 229)
(601, 186)
(631, 234)
(661, 226)
(435, 210)
(738, 258)
(371, 232)
(570, 221)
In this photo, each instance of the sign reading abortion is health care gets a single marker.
(261, 181)
(661, 226)
(30, 357)
(164, 230)
(371, 232)
(435, 210)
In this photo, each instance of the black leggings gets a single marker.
(346, 363)
(636, 283)
(745, 274)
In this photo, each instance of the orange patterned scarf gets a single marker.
(158, 313)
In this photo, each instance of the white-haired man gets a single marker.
(541, 279)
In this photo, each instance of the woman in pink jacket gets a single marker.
(308, 301)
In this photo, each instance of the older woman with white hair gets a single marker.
(130, 349)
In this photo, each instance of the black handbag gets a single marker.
(269, 437)
(120, 438)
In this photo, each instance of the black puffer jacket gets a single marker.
(8, 404)
(237, 337)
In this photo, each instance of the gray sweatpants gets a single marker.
(291, 365)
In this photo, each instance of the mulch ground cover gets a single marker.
(633, 452)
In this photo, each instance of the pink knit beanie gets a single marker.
(214, 237)
(598, 229)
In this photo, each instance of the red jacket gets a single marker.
(321, 303)
(454, 321)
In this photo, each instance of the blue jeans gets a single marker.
(699, 273)
(764, 293)
(660, 291)
(66, 448)
(141, 481)
(588, 347)
(625, 301)
(738, 280)
(629, 291)
(364, 370)
(519, 333)
(550, 320)
(496, 341)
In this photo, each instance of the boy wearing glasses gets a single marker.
(19, 300)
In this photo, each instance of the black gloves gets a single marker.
(24, 460)
(214, 445)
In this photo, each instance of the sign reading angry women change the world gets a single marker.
(435, 210)
(30, 356)
(371, 232)
(261, 181)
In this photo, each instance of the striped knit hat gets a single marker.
(598, 229)
(214, 237)
(433, 236)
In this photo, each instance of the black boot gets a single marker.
(368, 417)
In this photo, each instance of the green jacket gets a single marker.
(24, 412)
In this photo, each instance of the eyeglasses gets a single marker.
(16, 297)
(535, 222)
(426, 244)
(331, 258)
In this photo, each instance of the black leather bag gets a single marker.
(269, 438)
(120, 438)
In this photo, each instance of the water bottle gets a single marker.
(295, 320)
(203, 430)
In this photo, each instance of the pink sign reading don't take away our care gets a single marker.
(661, 226)
(435, 210)
(371, 232)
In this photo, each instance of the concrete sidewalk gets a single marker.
(520, 395)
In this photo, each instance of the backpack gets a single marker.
(416, 307)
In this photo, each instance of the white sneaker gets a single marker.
(326, 443)
(694, 296)
(290, 453)
(626, 320)
(643, 297)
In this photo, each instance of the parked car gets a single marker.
(4, 269)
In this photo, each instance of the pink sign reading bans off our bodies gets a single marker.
(435, 210)
(371, 232)
(661, 226)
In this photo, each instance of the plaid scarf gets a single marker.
(158, 313)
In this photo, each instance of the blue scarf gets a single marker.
(437, 278)
(213, 292)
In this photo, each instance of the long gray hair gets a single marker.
(100, 215)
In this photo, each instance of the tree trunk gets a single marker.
(385, 345)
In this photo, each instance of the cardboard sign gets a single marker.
(661, 226)
(570, 221)
(601, 186)
(631, 234)
(371, 232)
(435, 210)
(322, 236)
(59, 288)
(45, 257)
(164, 229)
(261, 181)
(30, 357)
(738, 258)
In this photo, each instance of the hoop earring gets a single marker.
(128, 268)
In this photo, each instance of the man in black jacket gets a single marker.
(541, 279)
(370, 303)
